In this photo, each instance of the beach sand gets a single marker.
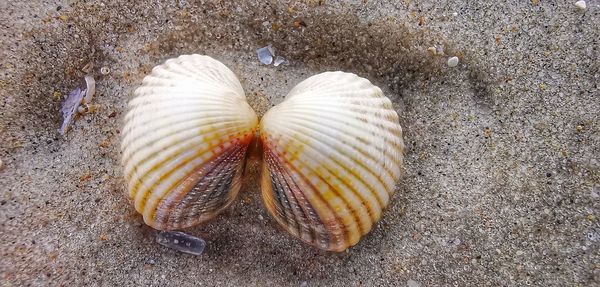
(501, 185)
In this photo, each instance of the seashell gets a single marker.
(185, 142)
(332, 153)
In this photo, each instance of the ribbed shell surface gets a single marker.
(185, 141)
(332, 153)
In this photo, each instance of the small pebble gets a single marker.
(82, 109)
(595, 192)
(581, 5)
(104, 70)
(453, 62)
(299, 23)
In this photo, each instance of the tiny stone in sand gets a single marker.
(453, 62)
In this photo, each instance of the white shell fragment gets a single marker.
(185, 142)
(105, 70)
(265, 55)
(581, 5)
(90, 90)
(453, 62)
(182, 242)
(278, 61)
(332, 154)
(69, 108)
(72, 103)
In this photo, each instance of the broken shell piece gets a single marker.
(265, 55)
(436, 50)
(104, 70)
(581, 5)
(88, 68)
(279, 60)
(72, 103)
(182, 242)
(69, 107)
(90, 90)
(299, 23)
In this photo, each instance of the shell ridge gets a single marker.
(154, 198)
(365, 155)
(345, 209)
(178, 155)
(143, 154)
(309, 83)
(284, 182)
(152, 84)
(179, 204)
(137, 141)
(385, 126)
(356, 123)
(361, 204)
(326, 210)
(302, 121)
(284, 207)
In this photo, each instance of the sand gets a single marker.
(501, 185)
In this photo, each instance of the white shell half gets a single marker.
(332, 154)
(185, 141)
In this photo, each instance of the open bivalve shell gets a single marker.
(185, 141)
(332, 153)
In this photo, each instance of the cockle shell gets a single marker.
(332, 153)
(185, 141)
